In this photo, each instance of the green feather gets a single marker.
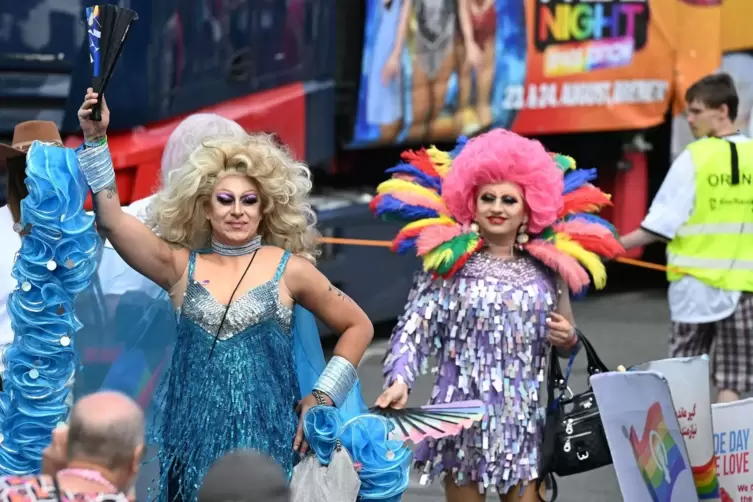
(458, 246)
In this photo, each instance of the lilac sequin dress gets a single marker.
(486, 327)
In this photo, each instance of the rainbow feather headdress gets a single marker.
(572, 246)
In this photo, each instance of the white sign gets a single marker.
(732, 425)
(644, 437)
(688, 379)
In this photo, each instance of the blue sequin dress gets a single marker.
(244, 396)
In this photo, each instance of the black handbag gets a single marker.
(574, 439)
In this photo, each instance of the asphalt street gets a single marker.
(625, 328)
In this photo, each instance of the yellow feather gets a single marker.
(398, 185)
(440, 159)
(589, 260)
(433, 259)
(442, 220)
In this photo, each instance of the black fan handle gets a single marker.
(96, 115)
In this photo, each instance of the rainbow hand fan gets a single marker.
(432, 421)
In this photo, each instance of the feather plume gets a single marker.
(592, 236)
(415, 198)
(589, 260)
(564, 162)
(563, 264)
(398, 210)
(441, 160)
(443, 257)
(433, 236)
(421, 160)
(587, 198)
(578, 178)
(592, 218)
(462, 141)
(393, 186)
(404, 170)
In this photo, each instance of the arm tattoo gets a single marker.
(111, 191)
(339, 293)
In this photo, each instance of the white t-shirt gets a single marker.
(690, 300)
(11, 242)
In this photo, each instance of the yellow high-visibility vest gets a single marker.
(716, 244)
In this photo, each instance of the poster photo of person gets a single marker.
(435, 69)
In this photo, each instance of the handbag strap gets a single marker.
(558, 381)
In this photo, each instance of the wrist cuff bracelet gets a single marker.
(337, 380)
(96, 164)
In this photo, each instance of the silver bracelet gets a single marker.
(337, 380)
(96, 164)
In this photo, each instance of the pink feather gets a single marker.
(433, 236)
(415, 199)
(565, 265)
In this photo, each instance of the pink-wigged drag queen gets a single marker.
(504, 231)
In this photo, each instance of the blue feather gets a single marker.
(577, 178)
(406, 245)
(579, 295)
(592, 218)
(462, 140)
(422, 178)
(407, 212)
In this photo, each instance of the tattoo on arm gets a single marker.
(111, 191)
(339, 293)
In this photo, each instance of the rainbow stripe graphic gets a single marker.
(658, 455)
(706, 482)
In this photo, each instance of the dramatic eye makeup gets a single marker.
(225, 199)
(250, 199)
(506, 198)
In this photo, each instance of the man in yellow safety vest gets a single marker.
(704, 211)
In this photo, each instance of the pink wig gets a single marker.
(499, 156)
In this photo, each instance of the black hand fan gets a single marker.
(108, 27)
(432, 421)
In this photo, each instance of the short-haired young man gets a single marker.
(704, 211)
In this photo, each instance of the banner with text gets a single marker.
(732, 424)
(533, 66)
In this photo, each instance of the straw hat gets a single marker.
(25, 134)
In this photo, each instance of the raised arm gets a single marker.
(134, 241)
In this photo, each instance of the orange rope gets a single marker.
(387, 244)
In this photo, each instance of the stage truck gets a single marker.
(348, 84)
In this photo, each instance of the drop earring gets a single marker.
(522, 237)
(474, 227)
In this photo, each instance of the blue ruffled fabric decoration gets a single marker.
(384, 464)
(57, 259)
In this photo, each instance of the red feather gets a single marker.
(593, 237)
(586, 199)
(421, 160)
(374, 202)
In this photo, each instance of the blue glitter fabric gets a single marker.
(57, 259)
(244, 396)
(486, 326)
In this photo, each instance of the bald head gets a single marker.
(106, 428)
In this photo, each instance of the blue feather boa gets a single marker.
(57, 260)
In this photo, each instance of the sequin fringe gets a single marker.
(487, 329)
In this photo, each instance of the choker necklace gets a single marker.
(240, 250)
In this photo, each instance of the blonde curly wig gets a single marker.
(178, 212)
